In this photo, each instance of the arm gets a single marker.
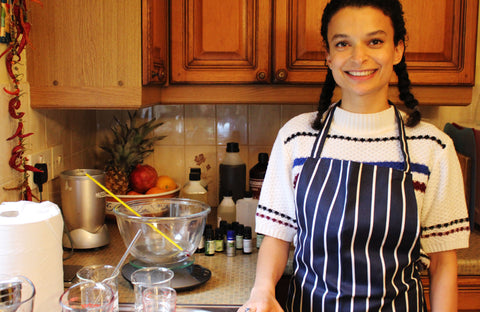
(272, 259)
(443, 281)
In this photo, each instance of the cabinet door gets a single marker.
(85, 44)
(440, 46)
(218, 41)
(155, 41)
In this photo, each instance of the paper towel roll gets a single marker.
(31, 245)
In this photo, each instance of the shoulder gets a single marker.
(425, 132)
(298, 126)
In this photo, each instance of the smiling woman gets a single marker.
(368, 199)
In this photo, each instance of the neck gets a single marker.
(366, 104)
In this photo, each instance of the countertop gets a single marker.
(232, 277)
(230, 282)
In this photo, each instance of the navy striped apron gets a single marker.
(358, 235)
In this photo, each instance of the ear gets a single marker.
(399, 50)
(328, 60)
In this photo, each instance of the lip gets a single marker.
(361, 74)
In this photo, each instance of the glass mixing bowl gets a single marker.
(181, 220)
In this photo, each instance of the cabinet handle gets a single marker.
(281, 74)
(261, 76)
(159, 74)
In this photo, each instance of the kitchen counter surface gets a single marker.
(230, 283)
(232, 277)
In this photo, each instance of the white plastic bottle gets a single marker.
(193, 189)
(246, 209)
(226, 211)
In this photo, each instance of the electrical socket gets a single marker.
(58, 161)
(40, 157)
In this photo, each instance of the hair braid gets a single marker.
(325, 99)
(405, 95)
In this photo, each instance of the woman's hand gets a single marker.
(261, 301)
(271, 262)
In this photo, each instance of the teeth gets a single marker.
(361, 73)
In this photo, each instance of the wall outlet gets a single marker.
(58, 161)
(40, 157)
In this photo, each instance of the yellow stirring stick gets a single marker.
(133, 211)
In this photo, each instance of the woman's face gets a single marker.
(361, 51)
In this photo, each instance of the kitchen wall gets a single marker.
(74, 130)
(191, 130)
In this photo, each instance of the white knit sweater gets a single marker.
(371, 138)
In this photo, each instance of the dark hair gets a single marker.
(393, 9)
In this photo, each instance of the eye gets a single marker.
(376, 42)
(341, 44)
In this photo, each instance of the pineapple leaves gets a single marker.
(131, 143)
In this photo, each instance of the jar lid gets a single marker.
(232, 147)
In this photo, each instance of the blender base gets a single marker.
(83, 239)
(185, 278)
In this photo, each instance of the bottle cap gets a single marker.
(248, 194)
(262, 158)
(230, 234)
(240, 229)
(232, 147)
(194, 176)
(247, 233)
(199, 170)
(228, 193)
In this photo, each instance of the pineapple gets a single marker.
(130, 146)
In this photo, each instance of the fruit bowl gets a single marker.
(181, 220)
(111, 203)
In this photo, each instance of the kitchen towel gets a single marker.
(31, 245)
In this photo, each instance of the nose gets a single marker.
(359, 54)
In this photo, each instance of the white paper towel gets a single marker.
(31, 245)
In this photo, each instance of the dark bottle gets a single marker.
(233, 173)
(257, 174)
(209, 242)
(219, 240)
(247, 240)
(239, 236)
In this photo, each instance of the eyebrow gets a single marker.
(371, 34)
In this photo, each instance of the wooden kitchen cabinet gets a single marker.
(440, 49)
(114, 54)
(218, 41)
(88, 54)
(228, 41)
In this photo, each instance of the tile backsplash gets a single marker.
(196, 136)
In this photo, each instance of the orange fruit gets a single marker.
(165, 183)
(133, 193)
(155, 190)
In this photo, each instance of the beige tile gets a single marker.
(263, 124)
(200, 125)
(170, 160)
(292, 110)
(205, 158)
(232, 124)
(174, 127)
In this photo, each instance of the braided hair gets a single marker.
(393, 9)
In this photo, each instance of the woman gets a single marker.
(366, 201)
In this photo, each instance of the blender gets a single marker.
(83, 207)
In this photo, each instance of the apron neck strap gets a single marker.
(322, 135)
